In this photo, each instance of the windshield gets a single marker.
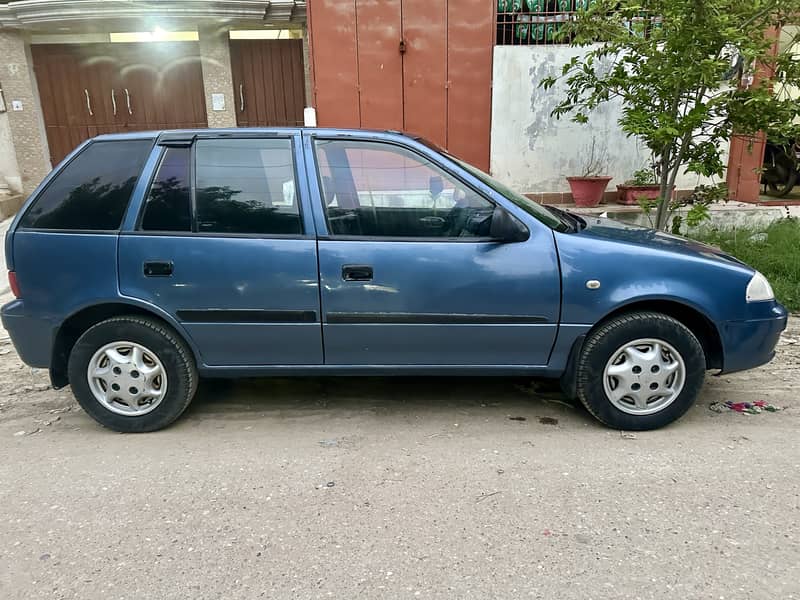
(529, 206)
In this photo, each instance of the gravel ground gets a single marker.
(400, 488)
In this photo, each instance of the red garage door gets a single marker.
(420, 66)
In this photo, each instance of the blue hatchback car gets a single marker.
(147, 260)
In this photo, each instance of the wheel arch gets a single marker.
(694, 319)
(699, 323)
(73, 326)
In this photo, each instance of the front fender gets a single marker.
(629, 273)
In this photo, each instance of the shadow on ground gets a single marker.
(384, 395)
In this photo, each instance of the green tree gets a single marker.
(676, 67)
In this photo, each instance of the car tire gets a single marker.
(640, 371)
(143, 375)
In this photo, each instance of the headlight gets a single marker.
(759, 289)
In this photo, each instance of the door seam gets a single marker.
(402, 69)
(312, 200)
(560, 299)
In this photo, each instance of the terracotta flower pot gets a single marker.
(630, 194)
(588, 191)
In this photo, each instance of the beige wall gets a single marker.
(217, 77)
(9, 171)
(26, 126)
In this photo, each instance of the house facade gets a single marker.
(462, 73)
(71, 70)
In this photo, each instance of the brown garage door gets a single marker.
(417, 65)
(268, 82)
(90, 89)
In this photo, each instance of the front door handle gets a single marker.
(433, 222)
(158, 268)
(357, 273)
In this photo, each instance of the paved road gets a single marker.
(411, 488)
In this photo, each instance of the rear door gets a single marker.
(409, 273)
(224, 241)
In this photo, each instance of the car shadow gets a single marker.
(294, 397)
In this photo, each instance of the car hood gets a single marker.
(606, 229)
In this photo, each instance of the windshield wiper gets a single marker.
(572, 222)
(579, 220)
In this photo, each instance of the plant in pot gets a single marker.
(643, 185)
(587, 189)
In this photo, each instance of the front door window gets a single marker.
(381, 190)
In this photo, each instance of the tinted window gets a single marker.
(93, 190)
(375, 189)
(246, 186)
(168, 206)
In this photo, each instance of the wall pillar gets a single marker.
(747, 154)
(215, 57)
(27, 125)
(744, 162)
(307, 69)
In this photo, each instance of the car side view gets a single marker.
(145, 261)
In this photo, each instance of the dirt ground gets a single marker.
(400, 488)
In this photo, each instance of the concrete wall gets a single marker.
(9, 171)
(26, 126)
(215, 59)
(533, 152)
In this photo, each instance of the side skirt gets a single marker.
(379, 370)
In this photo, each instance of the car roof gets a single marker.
(187, 134)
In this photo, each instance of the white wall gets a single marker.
(533, 152)
(788, 34)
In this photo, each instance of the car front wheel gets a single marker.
(640, 371)
(132, 374)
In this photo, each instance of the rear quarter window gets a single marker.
(93, 190)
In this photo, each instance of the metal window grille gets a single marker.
(532, 22)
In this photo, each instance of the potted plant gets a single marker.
(587, 190)
(642, 185)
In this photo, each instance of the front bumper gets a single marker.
(31, 336)
(751, 343)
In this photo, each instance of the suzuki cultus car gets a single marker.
(147, 260)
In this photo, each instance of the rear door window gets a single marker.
(93, 190)
(246, 186)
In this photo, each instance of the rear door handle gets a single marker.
(158, 268)
(357, 273)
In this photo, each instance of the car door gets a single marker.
(223, 240)
(409, 273)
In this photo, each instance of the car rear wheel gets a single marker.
(640, 371)
(132, 374)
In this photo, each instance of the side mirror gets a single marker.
(505, 228)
